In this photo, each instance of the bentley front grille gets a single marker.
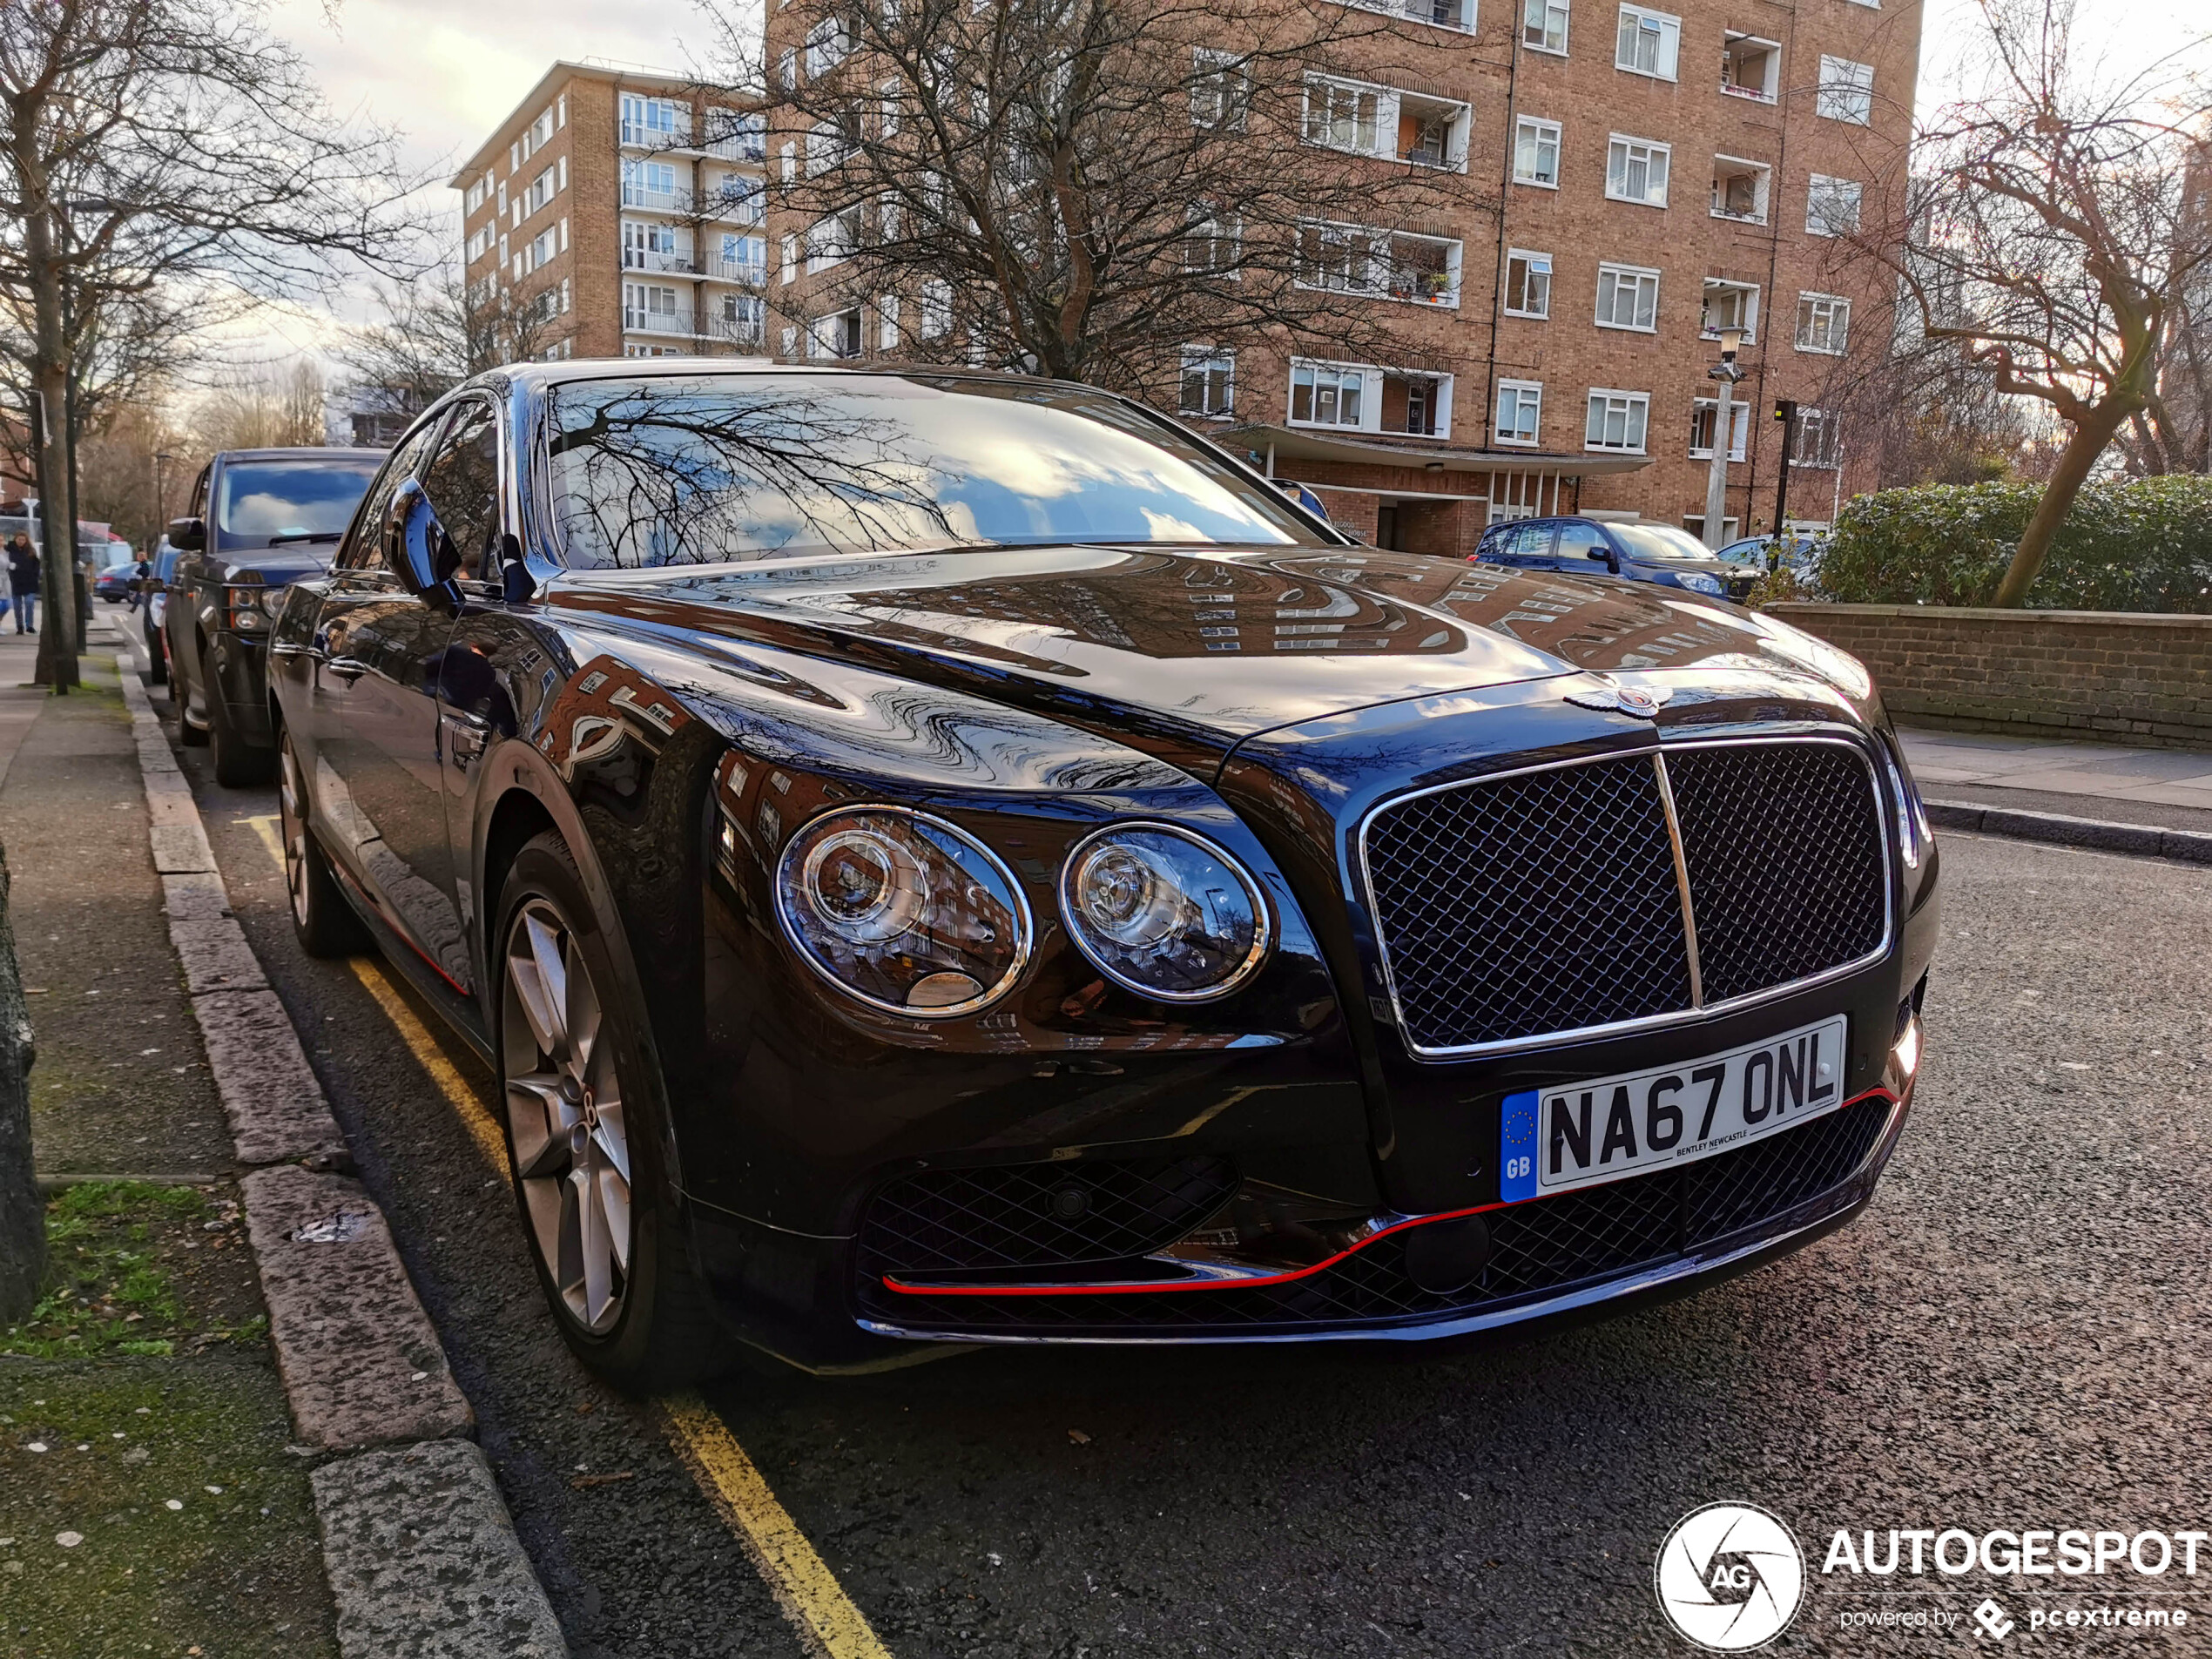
(1569, 900)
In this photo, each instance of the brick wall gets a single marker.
(2113, 675)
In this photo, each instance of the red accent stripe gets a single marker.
(891, 1284)
(397, 933)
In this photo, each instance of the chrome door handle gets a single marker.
(346, 668)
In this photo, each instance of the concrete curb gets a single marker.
(2145, 840)
(420, 1553)
(403, 1535)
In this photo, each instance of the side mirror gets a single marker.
(188, 535)
(1603, 555)
(416, 548)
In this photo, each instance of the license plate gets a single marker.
(1581, 1134)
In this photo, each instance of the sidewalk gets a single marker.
(149, 1501)
(2170, 788)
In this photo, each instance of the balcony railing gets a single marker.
(640, 136)
(747, 146)
(677, 200)
(752, 272)
(680, 262)
(1445, 14)
(736, 331)
(739, 205)
(639, 321)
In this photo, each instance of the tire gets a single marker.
(157, 657)
(322, 920)
(239, 765)
(180, 693)
(645, 1322)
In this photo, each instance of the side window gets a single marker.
(364, 548)
(463, 484)
(199, 492)
(1578, 541)
(1531, 541)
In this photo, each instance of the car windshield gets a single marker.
(291, 497)
(705, 469)
(1664, 541)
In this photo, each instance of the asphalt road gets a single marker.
(2015, 1335)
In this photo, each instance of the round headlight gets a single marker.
(1164, 913)
(903, 911)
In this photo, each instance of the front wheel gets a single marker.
(583, 1139)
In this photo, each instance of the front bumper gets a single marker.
(242, 682)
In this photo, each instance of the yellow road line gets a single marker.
(806, 1590)
(265, 827)
(482, 1128)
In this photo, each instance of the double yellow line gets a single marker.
(804, 1588)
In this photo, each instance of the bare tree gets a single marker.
(259, 405)
(438, 331)
(1081, 188)
(145, 142)
(2055, 238)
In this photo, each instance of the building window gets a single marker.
(1740, 189)
(1818, 443)
(1703, 412)
(1616, 421)
(1846, 92)
(1627, 297)
(1831, 205)
(1528, 284)
(1426, 412)
(1220, 91)
(1823, 323)
(832, 241)
(936, 308)
(1535, 152)
(1329, 394)
(1543, 26)
(1636, 170)
(886, 322)
(653, 247)
(654, 123)
(827, 45)
(742, 259)
(1730, 305)
(1214, 244)
(1648, 42)
(652, 183)
(1751, 67)
(1209, 382)
(790, 258)
(1345, 115)
(1520, 404)
(654, 308)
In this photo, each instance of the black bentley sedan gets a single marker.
(946, 857)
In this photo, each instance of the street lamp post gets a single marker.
(1724, 375)
(160, 496)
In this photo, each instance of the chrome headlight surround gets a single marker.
(1103, 956)
(924, 863)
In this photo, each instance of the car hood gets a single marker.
(1184, 649)
(277, 565)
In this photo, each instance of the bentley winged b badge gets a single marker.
(1622, 700)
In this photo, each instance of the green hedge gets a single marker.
(2141, 546)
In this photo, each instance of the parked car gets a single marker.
(1796, 551)
(260, 519)
(1640, 552)
(116, 582)
(155, 612)
(935, 857)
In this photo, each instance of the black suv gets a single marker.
(260, 520)
(1641, 552)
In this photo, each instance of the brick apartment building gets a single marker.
(626, 206)
(1663, 173)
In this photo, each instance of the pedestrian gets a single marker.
(140, 573)
(23, 582)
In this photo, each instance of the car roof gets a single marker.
(570, 370)
(302, 452)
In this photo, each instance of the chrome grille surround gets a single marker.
(1683, 857)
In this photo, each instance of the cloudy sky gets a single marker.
(447, 70)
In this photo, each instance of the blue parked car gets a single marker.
(1796, 551)
(1657, 553)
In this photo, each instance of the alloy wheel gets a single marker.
(564, 1115)
(292, 819)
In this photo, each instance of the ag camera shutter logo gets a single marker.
(1729, 1577)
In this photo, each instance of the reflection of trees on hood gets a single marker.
(696, 472)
